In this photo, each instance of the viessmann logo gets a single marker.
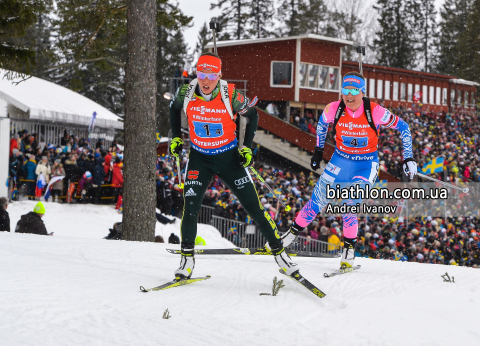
(352, 126)
(204, 110)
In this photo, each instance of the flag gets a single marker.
(52, 181)
(158, 137)
(232, 230)
(92, 122)
(434, 166)
(381, 184)
(41, 183)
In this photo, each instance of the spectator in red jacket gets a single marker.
(117, 177)
(106, 167)
(13, 144)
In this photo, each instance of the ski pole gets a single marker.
(179, 171)
(360, 51)
(463, 189)
(287, 207)
(215, 26)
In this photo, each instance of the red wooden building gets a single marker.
(304, 73)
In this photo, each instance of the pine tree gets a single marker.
(204, 36)
(395, 41)
(233, 19)
(427, 34)
(314, 18)
(260, 20)
(16, 17)
(290, 15)
(172, 53)
(452, 24)
(469, 41)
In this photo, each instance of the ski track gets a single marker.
(77, 289)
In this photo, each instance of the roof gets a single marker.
(48, 101)
(464, 82)
(274, 39)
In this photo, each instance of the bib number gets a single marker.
(354, 142)
(208, 130)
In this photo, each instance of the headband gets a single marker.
(351, 80)
(208, 63)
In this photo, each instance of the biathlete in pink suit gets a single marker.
(355, 160)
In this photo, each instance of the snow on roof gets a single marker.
(48, 101)
(261, 40)
(464, 82)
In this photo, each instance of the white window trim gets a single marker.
(291, 77)
(386, 90)
(393, 94)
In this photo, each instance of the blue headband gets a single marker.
(351, 80)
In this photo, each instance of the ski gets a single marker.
(255, 251)
(305, 283)
(341, 271)
(174, 283)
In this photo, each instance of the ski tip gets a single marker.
(143, 289)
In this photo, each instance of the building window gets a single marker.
(444, 96)
(403, 91)
(466, 99)
(459, 97)
(473, 99)
(439, 96)
(424, 94)
(452, 97)
(371, 93)
(387, 90)
(282, 74)
(302, 78)
(379, 89)
(431, 94)
(319, 77)
(410, 92)
(395, 90)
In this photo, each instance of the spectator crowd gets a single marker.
(80, 171)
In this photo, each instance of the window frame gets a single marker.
(316, 78)
(395, 95)
(291, 75)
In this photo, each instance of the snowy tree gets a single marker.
(233, 19)
(314, 18)
(290, 16)
(17, 16)
(204, 36)
(260, 21)
(354, 21)
(395, 41)
(427, 34)
(452, 25)
(469, 41)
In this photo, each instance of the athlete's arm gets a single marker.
(176, 106)
(382, 116)
(245, 108)
(328, 116)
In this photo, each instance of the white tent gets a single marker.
(46, 101)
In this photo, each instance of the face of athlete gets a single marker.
(206, 85)
(353, 102)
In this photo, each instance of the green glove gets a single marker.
(246, 157)
(176, 146)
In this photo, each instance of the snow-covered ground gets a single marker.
(76, 288)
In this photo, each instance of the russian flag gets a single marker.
(52, 181)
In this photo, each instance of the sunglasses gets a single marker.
(354, 92)
(210, 76)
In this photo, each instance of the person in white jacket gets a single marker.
(44, 168)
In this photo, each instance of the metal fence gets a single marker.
(205, 214)
(245, 235)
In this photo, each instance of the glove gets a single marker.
(176, 146)
(84, 192)
(316, 158)
(410, 168)
(94, 186)
(246, 157)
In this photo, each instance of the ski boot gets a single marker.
(187, 262)
(283, 259)
(348, 254)
(288, 237)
